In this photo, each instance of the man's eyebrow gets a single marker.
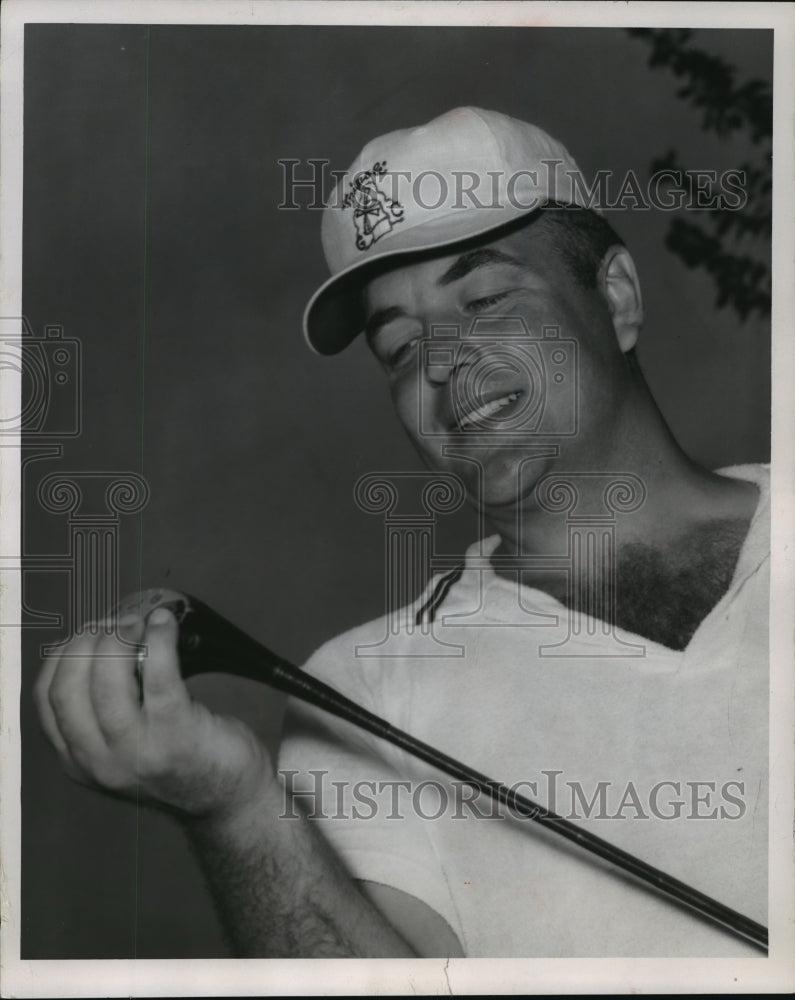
(380, 318)
(460, 268)
(467, 262)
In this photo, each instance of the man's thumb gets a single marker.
(162, 685)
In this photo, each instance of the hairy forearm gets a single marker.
(280, 891)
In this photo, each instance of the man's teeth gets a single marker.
(488, 409)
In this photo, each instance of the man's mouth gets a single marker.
(486, 411)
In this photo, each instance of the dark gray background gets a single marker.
(185, 285)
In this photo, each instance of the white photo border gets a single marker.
(227, 977)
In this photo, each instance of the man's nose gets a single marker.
(444, 355)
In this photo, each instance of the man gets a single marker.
(604, 648)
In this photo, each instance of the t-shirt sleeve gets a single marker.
(349, 782)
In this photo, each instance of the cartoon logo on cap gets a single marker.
(374, 214)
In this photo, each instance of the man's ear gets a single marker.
(619, 284)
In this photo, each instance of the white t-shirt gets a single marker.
(662, 753)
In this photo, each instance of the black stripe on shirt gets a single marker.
(440, 591)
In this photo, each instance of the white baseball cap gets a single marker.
(460, 175)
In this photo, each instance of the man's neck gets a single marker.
(677, 495)
(678, 546)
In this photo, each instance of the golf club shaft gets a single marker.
(209, 643)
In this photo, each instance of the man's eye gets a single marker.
(486, 302)
(401, 353)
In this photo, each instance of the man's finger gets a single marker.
(163, 687)
(70, 700)
(113, 686)
(41, 696)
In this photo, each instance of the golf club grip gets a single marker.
(210, 643)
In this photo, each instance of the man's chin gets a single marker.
(491, 489)
(494, 477)
(494, 501)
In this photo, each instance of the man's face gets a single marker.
(480, 381)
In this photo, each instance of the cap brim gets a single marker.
(334, 316)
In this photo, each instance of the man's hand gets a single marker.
(145, 738)
(279, 889)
